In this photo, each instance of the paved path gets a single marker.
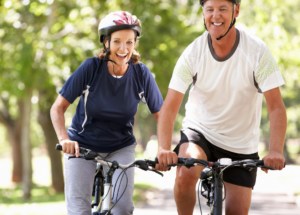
(272, 194)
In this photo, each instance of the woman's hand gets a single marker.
(69, 147)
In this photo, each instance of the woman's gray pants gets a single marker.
(79, 179)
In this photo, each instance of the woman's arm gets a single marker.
(58, 120)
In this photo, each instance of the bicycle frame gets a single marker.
(213, 190)
(88, 154)
(106, 203)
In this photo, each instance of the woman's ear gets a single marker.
(106, 43)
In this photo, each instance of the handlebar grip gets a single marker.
(58, 147)
(156, 162)
(260, 163)
(181, 160)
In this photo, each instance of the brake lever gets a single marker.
(82, 157)
(142, 164)
(153, 170)
(175, 164)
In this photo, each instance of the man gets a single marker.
(229, 71)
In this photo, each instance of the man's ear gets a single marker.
(237, 11)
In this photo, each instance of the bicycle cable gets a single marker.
(224, 190)
(124, 173)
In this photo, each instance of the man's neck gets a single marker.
(223, 46)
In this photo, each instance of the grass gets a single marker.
(45, 201)
(45, 194)
(39, 194)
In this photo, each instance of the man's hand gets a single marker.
(165, 157)
(70, 146)
(274, 159)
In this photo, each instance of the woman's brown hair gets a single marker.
(135, 57)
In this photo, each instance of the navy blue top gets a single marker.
(105, 113)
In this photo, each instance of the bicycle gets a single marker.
(211, 178)
(103, 182)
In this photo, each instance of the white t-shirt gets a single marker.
(225, 99)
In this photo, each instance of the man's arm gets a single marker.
(165, 128)
(156, 115)
(278, 125)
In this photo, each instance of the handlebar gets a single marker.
(222, 163)
(88, 154)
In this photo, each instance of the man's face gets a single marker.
(218, 16)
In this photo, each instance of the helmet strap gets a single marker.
(231, 23)
(107, 51)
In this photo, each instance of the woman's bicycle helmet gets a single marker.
(116, 21)
(232, 20)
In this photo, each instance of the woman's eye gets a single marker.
(129, 42)
(116, 41)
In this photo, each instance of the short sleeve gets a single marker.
(78, 81)
(182, 75)
(152, 93)
(267, 74)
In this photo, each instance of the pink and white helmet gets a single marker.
(119, 20)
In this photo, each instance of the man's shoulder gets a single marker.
(197, 46)
(246, 37)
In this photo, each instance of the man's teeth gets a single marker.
(217, 24)
(122, 55)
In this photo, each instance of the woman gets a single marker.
(111, 87)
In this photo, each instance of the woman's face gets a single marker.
(218, 16)
(122, 44)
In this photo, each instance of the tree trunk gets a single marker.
(13, 128)
(14, 135)
(55, 156)
(51, 139)
(26, 146)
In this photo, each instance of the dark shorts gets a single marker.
(235, 175)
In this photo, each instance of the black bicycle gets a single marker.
(103, 182)
(211, 178)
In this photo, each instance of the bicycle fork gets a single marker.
(107, 194)
(218, 195)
